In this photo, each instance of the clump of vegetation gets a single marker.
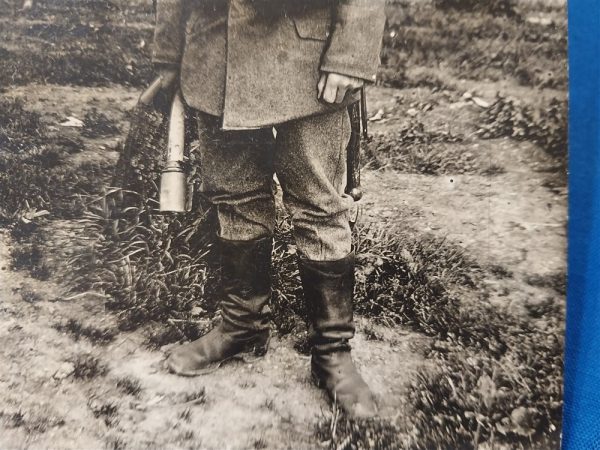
(87, 47)
(338, 431)
(34, 176)
(475, 398)
(97, 124)
(416, 150)
(494, 7)
(88, 367)
(31, 296)
(129, 385)
(29, 256)
(77, 330)
(107, 411)
(197, 397)
(546, 127)
(473, 46)
(152, 268)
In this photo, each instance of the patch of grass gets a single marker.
(115, 443)
(29, 257)
(500, 271)
(371, 334)
(34, 177)
(77, 330)
(97, 124)
(494, 7)
(31, 423)
(546, 127)
(197, 397)
(88, 367)
(556, 281)
(107, 411)
(498, 377)
(474, 398)
(186, 415)
(416, 150)
(338, 431)
(13, 420)
(260, 444)
(82, 47)
(129, 385)
(472, 45)
(30, 296)
(153, 268)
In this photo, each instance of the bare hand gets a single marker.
(333, 87)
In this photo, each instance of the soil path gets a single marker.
(514, 220)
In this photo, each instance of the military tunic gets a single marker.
(257, 63)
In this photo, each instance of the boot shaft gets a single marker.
(246, 284)
(328, 290)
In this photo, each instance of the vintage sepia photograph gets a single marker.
(282, 224)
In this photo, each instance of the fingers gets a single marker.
(321, 85)
(341, 93)
(334, 87)
(330, 92)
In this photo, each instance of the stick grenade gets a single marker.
(173, 180)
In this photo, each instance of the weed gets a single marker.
(339, 431)
(186, 435)
(30, 422)
(88, 367)
(129, 385)
(269, 404)
(260, 444)
(500, 271)
(115, 443)
(14, 420)
(547, 127)
(77, 330)
(197, 397)
(29, 257)
(371, 334)
(416, 150)
(34, 177)
(97, 124)
(107, 411)
(494, 7)
(30, 296)
(185, 415)
(556, 281)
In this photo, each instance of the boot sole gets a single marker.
(246, 356)
(322, 385)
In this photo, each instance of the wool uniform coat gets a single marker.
(256, 63)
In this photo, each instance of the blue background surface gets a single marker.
(581, 421)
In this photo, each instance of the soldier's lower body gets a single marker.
(309, 157)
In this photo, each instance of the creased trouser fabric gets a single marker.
(309, 157)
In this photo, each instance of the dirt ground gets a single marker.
(62, 392)
(510, 219)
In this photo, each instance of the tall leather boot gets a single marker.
(328, 289)
(245, 330)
